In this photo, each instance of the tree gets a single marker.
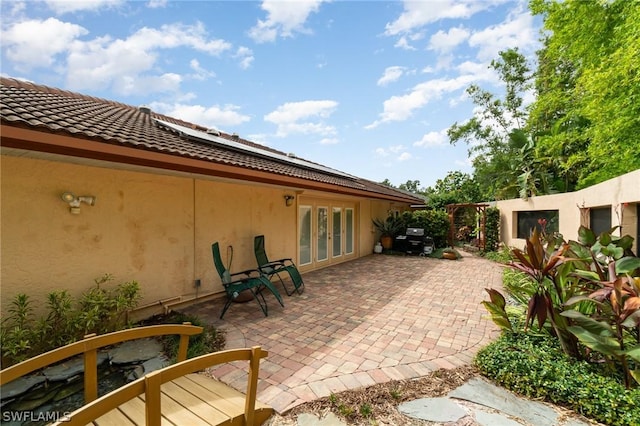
(412, 186)
(495, 134)
(587, 112)
(455, 188)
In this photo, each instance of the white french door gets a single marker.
(326, 231)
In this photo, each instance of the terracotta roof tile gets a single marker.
(48, 109)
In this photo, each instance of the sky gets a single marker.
(366, 87)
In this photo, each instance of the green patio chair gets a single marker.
(277, 267)
(252, 280)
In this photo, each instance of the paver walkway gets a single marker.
(372, 320)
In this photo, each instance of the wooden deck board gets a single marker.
(178, 414)
(198, 406)
(114, 418)
(225, 398)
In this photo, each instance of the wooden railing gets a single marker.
(118, 407)
(89, 348)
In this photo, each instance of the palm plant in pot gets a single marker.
(388, 229)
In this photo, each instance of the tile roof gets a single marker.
(51, 110)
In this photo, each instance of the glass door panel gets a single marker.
(348, 238)
(322, 242)
(337, 232)
(304, 219)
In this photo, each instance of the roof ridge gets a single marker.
(29, 85)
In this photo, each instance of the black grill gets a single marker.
(414, 242)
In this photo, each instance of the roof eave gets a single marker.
(55, 143)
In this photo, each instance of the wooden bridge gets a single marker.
(173, 395)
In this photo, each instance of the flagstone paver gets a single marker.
(372, 320)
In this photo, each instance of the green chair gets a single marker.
(276, 267)
(253, 281)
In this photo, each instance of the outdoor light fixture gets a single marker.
(74, 202)
(288, 200)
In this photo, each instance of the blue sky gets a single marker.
(368, 88)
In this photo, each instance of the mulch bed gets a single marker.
(378, 404)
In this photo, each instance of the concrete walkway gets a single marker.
(372, 320)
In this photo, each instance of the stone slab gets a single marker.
(493, 419)
(20, 386)
(72, 367)
(135, 351)
(482, 392)
(330, 419)
(433, 409)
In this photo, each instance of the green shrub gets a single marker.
(434, 222)
(536, 367)
(210, 340)
(502, 255)
(99, 310)
(492, 229)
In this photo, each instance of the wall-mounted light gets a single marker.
(74, 202)
(288, 200)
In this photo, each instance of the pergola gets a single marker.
(479, 208)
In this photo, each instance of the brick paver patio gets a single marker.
(372, 320)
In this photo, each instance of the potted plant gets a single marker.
(451, 254)
(389, 228)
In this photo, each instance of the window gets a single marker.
(349, 230)
(304, 219)
(600, 219)
(528, 220)
(337, 232)
(323, 233)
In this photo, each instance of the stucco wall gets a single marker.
(621, 193)
(154, 229)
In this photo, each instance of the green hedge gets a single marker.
(434, 222)
(492, 229)
(535, 366)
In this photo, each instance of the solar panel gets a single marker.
(212, 139)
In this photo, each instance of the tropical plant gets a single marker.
(388, 227)
(586, 293)
(613, 329)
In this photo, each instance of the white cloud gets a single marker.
(517, 31)
(245, 56)
(213, 116)
(404, 156)
(294, 117)
(35, 43)
(165, 83)
(446, 41)
(390, 75)
(329, 141)
(284, 18)
(396, 151)
(433, 139)
(417, 14)
(481, 71)
(400, 108)
(200, 73)
(69, 6)
(104, 62)
(157, 4)
(403, 43)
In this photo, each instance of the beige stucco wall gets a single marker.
(615, 192)
(153, 228)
